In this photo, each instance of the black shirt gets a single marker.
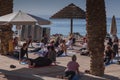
(109, 53)
(23, 52)
(41, 61)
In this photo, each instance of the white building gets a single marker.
(37, 32)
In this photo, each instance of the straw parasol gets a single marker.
(113, 28)
(69, 12)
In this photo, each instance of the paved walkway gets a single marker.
(22, 72)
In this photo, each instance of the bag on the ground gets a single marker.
(12, 66)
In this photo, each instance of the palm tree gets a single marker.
(6, 7)
(96, 32)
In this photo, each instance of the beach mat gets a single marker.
(43, 66)
(23, 63)
(114, 61)
(69, 54)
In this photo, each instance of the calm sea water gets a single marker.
(62, 26)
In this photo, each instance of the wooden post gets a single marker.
(71, 26)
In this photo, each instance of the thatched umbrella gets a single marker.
(113, 28)
(69, 12)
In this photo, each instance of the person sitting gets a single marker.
(115, 46)
(110, 41)
(51, 43)
(39, 62)
(45, 38)
(57, 41)
(29, 41)
(62, 49)
(15, 43)
(74, 41)
(84, 46)
(85, 38)
(52, 54)
(23, 51)
(72, 68)
(43, 52)
(108, 54)
(69, 43)
(84, 49)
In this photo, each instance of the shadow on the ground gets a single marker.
(10, 75)
(91, 77)
(109, 77)
(47, 71)
(12, 57)
(50, 71)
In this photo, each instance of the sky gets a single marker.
(50, 7)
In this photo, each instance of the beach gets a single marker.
(74, 39)
(23, 72)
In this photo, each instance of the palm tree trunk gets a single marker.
(6, 7)
(96, 32)
(71, 26)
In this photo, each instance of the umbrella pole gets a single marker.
(71, 26)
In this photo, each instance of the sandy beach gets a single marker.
(73, 20)
(22, 72)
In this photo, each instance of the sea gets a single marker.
(62, 26)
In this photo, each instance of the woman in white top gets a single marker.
(69, 43)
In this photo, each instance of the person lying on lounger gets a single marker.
(41, 46)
